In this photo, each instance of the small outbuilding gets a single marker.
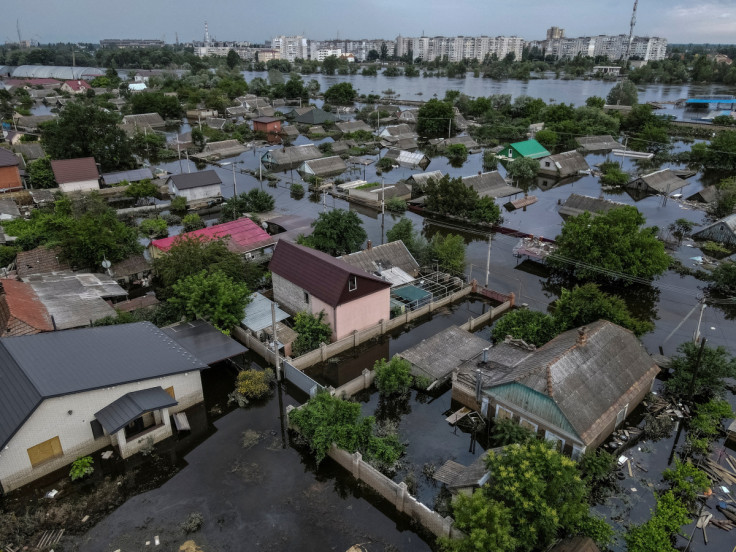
(706, 195)
(562, 165)
(408, 159)
(268, 125)
(578, 204)
(76, 175)
(603, 142)
(664, 181)
(325, 166)
(531, 149)
(290, 157)
(194, 186)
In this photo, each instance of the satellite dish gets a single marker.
(106, 264)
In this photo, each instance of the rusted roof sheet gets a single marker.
(75, 170)
(23, 304)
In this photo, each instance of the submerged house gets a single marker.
(281, 159)
(597, 143)
(578, 204)
(408, 159)
(324, 166)
(664, 181)
(68, 394)
(574, 390)
(723, 231)
(305, 279)
(562, 165)
(531, 149)
(490, 184)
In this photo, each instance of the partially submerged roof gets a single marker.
(577, 204)
(119, 413)
(75, 299)
(597, 143)
(187, 181)
(75, 170)
(135, 175)
(437, 356)
(325, 166)
(241, 235)
(564, 164)
(321, 275)
(466, 141)
(144, 120)
(421, 179)
(706, 195)
(258, 313)
(292, 156)
(723, 229)
(531, 149)
(54, 364)
(408, 159)
(398, 130)
(663, 181)
(204, 341)
(490, 184)
(380, 258)
(315, 116)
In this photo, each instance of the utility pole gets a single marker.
(488, 259)
(383, 209)
(235, 191)
(696, 335)
(275, 341)
(449, 128)
(696, 368)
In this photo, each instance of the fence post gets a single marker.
(356, 341)
(357, 459)
(289, 408)
(401, 493)
(512, 298)
(366, 378)
(471, 324)
(383, 325)
(323, 351)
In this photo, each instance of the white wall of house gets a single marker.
(81, 186)
(69, 418)
(202, 192)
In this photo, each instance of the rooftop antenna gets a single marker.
(631, 34)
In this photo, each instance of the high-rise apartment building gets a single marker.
(291, 47)
(553, 33)
(459, 47)
(611, 46)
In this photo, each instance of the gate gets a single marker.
(301, 380)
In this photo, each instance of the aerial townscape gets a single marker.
(422, 293)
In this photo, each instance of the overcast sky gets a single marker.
(91, 20)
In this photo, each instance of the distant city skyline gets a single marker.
(47, 21)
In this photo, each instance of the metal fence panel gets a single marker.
(301, 380)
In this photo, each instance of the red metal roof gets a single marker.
(242, 235)
(75, 170)
(321, 275)
(24, 304)
(77, 85)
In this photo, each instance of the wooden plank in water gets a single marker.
(453, 418)
(519, 203)
(181, 422)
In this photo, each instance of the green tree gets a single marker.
(611, 246)
(384, 51)
(416, 244)
(233, 59)
(587, 303)
(392, 377)
(656, 535)
(254, 201)
(190, 255)
(449, 251)
(179, 205)
(337, 232)
(523, 170)
(156, 102)
(595, 101)
(613, 175)
(457, 154)
(686, 480)
(342, 93)
(434, 118)
(716, 364)
(623, 93)
(154, 228)
(548, 138)
(192, 222)
(213, 296)
(312, 331)
(450, 196)
(40, 174)
(724, 278)
(487, 524)
(84, 130)
(534, 327)
(143, 189)
(506, 432)
(329, 65)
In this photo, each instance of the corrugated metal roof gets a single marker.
(135, 175)
(258, 313)
(187, 181)
(490, 184)
(63, 363)
(242, 235)
(75, 170)
(530, 149)
(204, 341)
(116, 415)
(383, 257)
(321, 275)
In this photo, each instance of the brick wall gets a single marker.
(289, 296)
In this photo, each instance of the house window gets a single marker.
(559, 442)
(45, 451)
(528, 425)
(503, 414)
(97, 430)
(306, 297)
(353, 283)
(546, 163)
(577, 452)
(621, 416)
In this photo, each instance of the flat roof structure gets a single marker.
(204, 341)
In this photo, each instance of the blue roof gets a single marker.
(710, 100)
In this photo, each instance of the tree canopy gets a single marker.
(716, 364)
(450, 196)
(449, 251)
(84, 130)
(40, 173)
(623, 93)
(342, 93)
(611, 246)
(337, 232)
(434, 118)
(312, 330)
(393, 376)
(534, 327)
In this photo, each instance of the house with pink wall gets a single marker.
(305, 279)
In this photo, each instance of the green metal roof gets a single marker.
(411, 293)
(533, 402)
(530, 148)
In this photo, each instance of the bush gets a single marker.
(393, 376)
(192, 222)
(179, 205)
(686, 480)
(506, 432)
(385, 164)
(254, 384)
(312, 332)
(396, 205)
(7, 255)
(613, 175)
(297, 190)
(171, 220)
(534, 327)
(155, 228)
(193, 523)
(82, 467)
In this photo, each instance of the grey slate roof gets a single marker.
(352, 126)
(326, 166)
(664, 181)
(292, 156)
(144, 119)
(723, 230)
(467, 141)
(382, 257)
(315, 116)
(130, 406)
(30, 150)
(421, 179)
(187, 181)
(258, 313)
(204, 341)
(490, 184)
(597, 143)
(706, 195)
(53, 364)
(578, 204)
(564, 164)
(398, 130)
(135, 175)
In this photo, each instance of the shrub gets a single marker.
(178, 205)
(385, 164)
(193, 523)
(254, 384)
(686, 480)
(81, 467)
(192, 222)
(506, 432)
(297, 190)
(396, 205)
(154, 228)
(312, 332)
(393, 376)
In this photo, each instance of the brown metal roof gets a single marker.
(321, 275)
(75, 170)
(24, 305)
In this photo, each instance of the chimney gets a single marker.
(485, 355)
(369, 245)
(582, 335)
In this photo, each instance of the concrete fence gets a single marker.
(395, 493)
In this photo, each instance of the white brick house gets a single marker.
(67, 394)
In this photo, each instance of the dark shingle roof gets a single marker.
(186, 181)
(315, 117)
(8, 158)
(322, 275)
(130, 406)
(75, 170)
(204, 341)
(54, 364)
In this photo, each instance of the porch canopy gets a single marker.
(130, 406)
